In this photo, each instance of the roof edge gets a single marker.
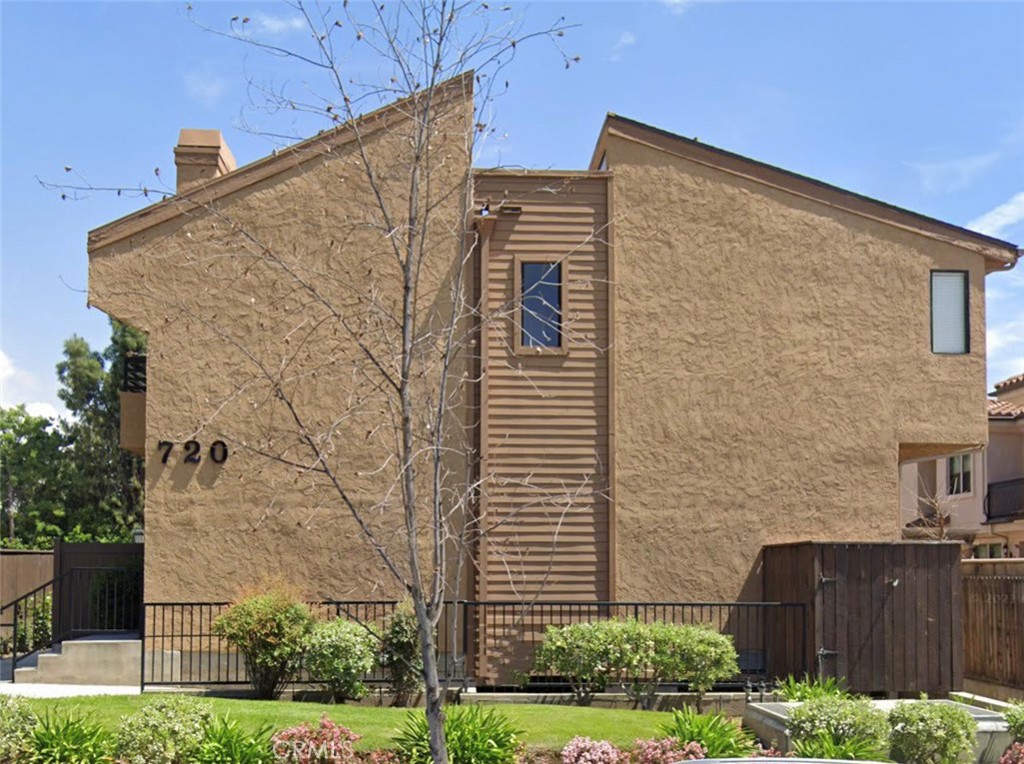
(991, 248)
(262, 169)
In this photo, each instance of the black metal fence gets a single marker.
(1005, 500)
(82, 601)
(489, 644)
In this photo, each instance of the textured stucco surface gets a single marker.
(245, 297)
(772, 355)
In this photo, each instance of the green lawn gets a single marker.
(544, 726)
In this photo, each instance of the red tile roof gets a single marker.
(1010, 384)
(1004, 410)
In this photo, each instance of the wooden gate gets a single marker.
(886, 617)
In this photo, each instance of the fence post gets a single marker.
(14, 644)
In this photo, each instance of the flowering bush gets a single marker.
(583, 750)
(1015, 720)
(843, 719)
(665, 751)
(381, 756)
(931, 733)
(340, 653)
(16, 722)
(326, 743)
(1014, 754)
(168, 730)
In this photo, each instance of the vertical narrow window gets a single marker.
(959, 474)
(541, 307)
(950, 322)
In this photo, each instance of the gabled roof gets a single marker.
(1001, 253)
(1005, 410)
(1009, 384)
(269, 166)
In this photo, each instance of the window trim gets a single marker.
(967, 310)
(518, 261)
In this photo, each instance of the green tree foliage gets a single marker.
(34, 477)
(70, 479)
(107, 492)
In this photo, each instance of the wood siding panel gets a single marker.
(545, 451)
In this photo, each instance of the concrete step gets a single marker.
(86, 661)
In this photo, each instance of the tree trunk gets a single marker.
(432, 683)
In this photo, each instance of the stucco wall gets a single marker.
(271, 288)
(772, 355)
(1006, 451)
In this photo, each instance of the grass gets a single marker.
(544, 726)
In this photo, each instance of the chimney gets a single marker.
(201, 156)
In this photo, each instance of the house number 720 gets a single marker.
(218, 451)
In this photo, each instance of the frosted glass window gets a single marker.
(949, 312)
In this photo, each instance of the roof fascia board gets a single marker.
(263, 169)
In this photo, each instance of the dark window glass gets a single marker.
(542, 305)
(960, 474)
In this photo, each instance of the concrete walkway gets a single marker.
(64, 690)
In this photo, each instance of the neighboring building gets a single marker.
(976, 497)
(741, 356)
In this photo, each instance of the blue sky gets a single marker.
(918, 104)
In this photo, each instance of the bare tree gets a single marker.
(396, 328)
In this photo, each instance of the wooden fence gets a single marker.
(21, 571)
(994, 621)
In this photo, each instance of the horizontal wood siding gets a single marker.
(545, 451)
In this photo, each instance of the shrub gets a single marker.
(844, 719)
(400, 655)
(1013, 755)
(637, 655)
(340, 653)
(16, 723)
(68, 740)
(326, 743)
(931, 733)
(579, 653)
(664, 751)
(824, 745)
(709, 657)
(269, 630)
(1015, 720)
(811, 688)
(227, 742)
(168, 730)
(474, 734)
(583, 750)
(720, 736)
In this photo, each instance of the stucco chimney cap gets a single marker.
(201, 156)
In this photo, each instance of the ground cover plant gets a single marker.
(811, 688)
(16, 721)
(166, 730)
(718, 735)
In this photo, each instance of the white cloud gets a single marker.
(677, 6)
(948, 175)
(276, 25)
(205, 88)
(625, 40)
(41, 408)
(17, 387)
(996, 221)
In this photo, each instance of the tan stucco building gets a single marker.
(707, 354)
(975, 497)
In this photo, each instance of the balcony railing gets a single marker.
(134, 374)
(1005, 501)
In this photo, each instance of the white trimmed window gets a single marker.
(959, 474)
(950, 332)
